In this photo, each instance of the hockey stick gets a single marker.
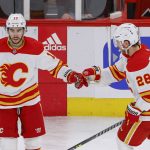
(96, 135)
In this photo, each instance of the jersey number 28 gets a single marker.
(145, 79)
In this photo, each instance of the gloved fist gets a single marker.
(132, 113)
(77, 78)
(92, 74)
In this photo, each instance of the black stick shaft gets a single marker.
(96, 135)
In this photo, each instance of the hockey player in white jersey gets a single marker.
(20, 59)
(134, 65)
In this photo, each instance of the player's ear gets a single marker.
(25, 29)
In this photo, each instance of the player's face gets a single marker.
(123, 46)
(16, 34)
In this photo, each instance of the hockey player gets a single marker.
(20, 59)
(134, 65)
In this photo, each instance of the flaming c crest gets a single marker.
(7, 74)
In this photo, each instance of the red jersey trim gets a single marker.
(145, 96)
(30, 46)
(55, 71)
(28, 94)
(118, 75)
(146, 113)
(139, 60)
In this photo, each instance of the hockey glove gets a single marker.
(132, 113)
(92, 74)
(78, 79)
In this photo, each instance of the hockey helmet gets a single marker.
(126, 32)
(15, 20)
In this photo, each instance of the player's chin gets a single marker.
(15, 41)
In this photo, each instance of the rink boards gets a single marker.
(81, 46)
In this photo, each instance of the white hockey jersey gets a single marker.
(19, 72)
(136, 70)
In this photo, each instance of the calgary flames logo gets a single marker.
(7, 72)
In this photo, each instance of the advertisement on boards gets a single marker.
(53, 91)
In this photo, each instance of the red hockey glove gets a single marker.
(132, 113)
(92, 74)
(78, 79)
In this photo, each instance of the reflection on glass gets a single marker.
(65, 9)
(37, 9)
(62, 9)
(10, 6)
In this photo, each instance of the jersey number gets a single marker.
(145, 79)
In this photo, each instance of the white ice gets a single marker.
(65, 132)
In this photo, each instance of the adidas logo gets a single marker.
(54, 43)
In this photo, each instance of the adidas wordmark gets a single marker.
(53, 43)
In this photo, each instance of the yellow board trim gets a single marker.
(97, 106)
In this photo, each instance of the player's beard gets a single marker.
(18, 43)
